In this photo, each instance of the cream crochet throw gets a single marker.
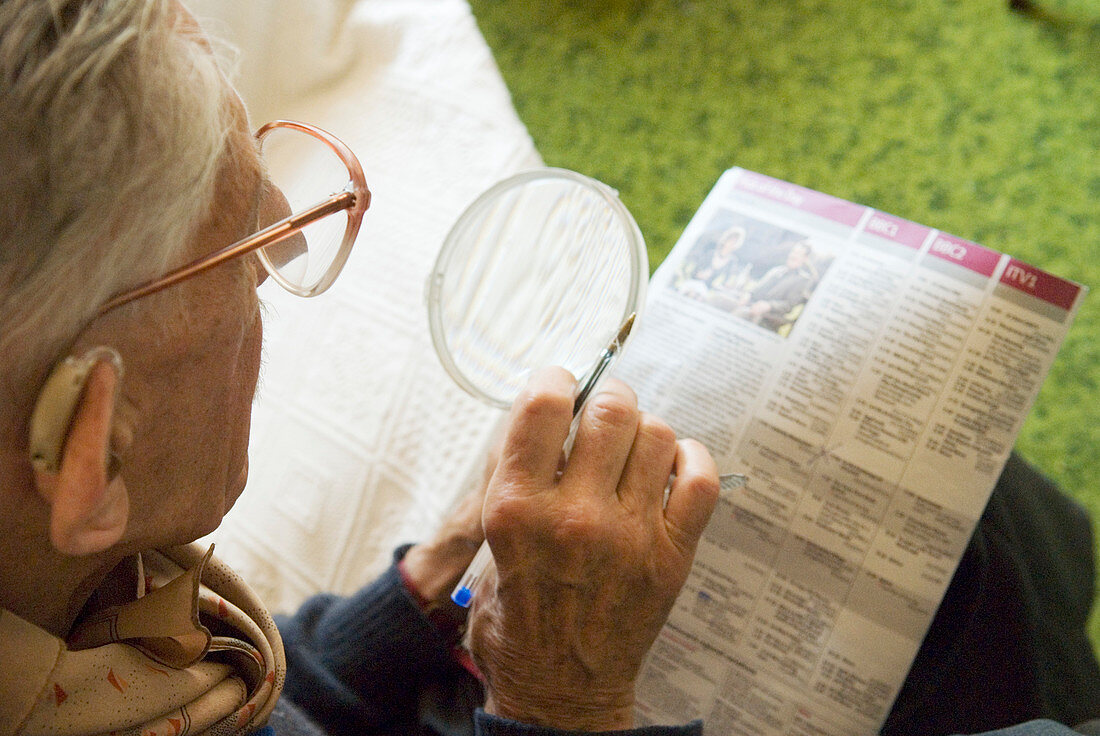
(360, 440)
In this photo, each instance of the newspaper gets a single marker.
(869, 375)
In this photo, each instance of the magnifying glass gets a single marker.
(542, 269)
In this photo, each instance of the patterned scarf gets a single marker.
(194, 652)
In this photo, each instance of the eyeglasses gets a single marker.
(304, 252)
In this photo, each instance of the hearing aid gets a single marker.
(57, 402)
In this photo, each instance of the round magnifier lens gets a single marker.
(542, 269)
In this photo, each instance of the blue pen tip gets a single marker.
(462, 596)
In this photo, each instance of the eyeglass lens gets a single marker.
(307, 172)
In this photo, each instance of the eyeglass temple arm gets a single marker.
(271, 234)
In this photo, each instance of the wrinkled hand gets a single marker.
(589, 556)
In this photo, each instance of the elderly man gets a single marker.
(133, 236)
(136, 222)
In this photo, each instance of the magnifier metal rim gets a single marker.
(639, 271)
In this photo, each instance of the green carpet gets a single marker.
(959, 114)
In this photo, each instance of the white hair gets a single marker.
(113, 123)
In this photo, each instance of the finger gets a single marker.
(649, 465)
(693, 494)
(608, 425)
(538, 426)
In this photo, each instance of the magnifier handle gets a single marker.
(463, 594)
(602, 364)
(592, 381)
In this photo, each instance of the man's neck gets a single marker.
(37, 583)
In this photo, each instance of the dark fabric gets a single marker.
(372, 663)
(288, 720)
(1008, 643)
(490, 725)
(1033, 728)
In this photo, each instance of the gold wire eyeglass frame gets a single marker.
(355, 199)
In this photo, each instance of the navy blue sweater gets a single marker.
(373, 663)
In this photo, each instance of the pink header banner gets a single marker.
(897, 230)
(800, 198)
(1040, 284)
(966, 254)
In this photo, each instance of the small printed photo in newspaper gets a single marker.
(753, 269)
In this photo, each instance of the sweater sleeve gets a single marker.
(365, 663)
(490, 725)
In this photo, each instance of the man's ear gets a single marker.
(71, 454)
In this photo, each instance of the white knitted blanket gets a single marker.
(360, 441)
